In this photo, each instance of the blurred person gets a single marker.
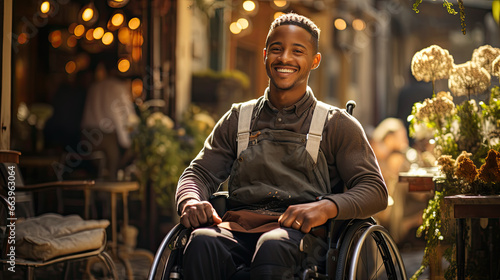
(390, 144)
(106, 118)
(62, 129)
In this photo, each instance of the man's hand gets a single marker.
(305, 216)
(198, 213)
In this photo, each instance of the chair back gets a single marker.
(10, 173)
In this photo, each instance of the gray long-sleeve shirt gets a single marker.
(351, 161)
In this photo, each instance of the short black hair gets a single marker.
(302, 21)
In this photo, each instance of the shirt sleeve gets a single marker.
(352, 163)
(213, 164)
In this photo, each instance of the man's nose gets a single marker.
(285, 56)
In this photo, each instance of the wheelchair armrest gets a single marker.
(218, 201)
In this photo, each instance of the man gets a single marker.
(107, 114)
(279, 191)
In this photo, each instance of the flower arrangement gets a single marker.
(466, 136)
(163, 150)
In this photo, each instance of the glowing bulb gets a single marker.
(134, 23)
(107, 38)
(124, 35)
(70, 67)
(340, 24)
(280, 3)
(79, 30)
(358, 24)
(45, 7)
(117, 19)
(88, 14)
(89, 35)
(248, 5)
(123, 65)
(243, 22)
(235, 28)
(278, 14)
(137, 87)
(98, 33)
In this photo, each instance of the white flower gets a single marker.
(432, 63)
(495, 67)
(484, 56)
(468, 78)
(161, 118)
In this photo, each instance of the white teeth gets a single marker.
(285, 70)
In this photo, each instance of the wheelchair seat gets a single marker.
(357, 249)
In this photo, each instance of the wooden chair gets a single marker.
(32, 242)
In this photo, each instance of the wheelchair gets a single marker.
(357, 249)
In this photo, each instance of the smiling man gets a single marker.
(293, 163)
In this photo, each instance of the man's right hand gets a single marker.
(198, 213)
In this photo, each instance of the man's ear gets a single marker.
(316, 61)
(264, 53)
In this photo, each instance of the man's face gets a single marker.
(289, 57)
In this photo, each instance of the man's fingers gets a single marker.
(199, 213)
(215, 217)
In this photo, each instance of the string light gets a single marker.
(123, 65)
(358, 24)
(249, 6)
(70, 67)
(134, 23)
(98, 33)
(340, 24)
(107, 38)
(79, 30)
(45, 7)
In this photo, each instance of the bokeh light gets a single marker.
(340, 24)
(107, 38)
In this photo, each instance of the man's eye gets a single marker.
(298, 51)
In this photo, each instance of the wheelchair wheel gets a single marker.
(167, 263)
(368, 252)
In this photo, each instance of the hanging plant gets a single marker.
(449, 9)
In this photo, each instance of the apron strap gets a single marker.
(244, 120)
(316, 129)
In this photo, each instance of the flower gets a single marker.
(163, 150)
(468, 78)
(489, 171)
(466, 169)
(160, 119)
(432, 63)
(447, 164)
(495, 67)
(484, 57)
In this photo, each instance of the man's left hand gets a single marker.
(305, 216)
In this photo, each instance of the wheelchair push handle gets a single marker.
(349, 106)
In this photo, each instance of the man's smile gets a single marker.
(281, 69)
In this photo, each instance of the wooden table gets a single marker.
(419, 180)
(123, 188)
(114, 188)
(470, 206)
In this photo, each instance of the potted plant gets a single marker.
(467, 139)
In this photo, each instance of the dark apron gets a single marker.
(276, 171)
